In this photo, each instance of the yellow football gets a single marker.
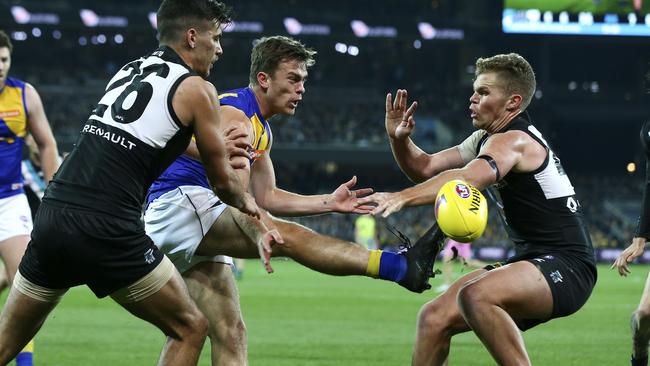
(461, 211)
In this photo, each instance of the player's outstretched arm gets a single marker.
(284, 203)
(195, 102)
(413, 161)
(39, 128)
(505, 149)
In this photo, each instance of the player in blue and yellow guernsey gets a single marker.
(21, 113)
(191, 225)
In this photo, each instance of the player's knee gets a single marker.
(193, 327)
(236, 335)
(470, 297)
(643, 313)
(641, 320)
(295, 236)
(434, 319)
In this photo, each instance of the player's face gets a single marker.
(5, 64)
(286, 86)
(488, 103)
(208, 47)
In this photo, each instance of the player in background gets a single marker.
(640, 323)
(365, 231)
(191, 224)
(553, 271)
(455, 251)
(89, 230)
(21, 113)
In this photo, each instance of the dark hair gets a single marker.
(176, 16)
(5, 41)
(517, 74)
(268, 52)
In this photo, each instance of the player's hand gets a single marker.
(346, 200)
(249, 206)
(386, 203)
(237, 145)
(399, 120)
(630, 253)
(270, 237)
(264, 247)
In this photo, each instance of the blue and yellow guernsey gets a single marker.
(13, 129)
(186, 171)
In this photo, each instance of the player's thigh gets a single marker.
(12, 250)
(230, 234)
(212, 286)
(16, 225)
(519, 288)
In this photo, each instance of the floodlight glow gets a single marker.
(19, 36)
(427, 31)
(292, 25)
(359, 28)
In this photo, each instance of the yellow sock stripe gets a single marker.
(29, 347)
(373, 263)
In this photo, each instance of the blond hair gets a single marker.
(514, 71)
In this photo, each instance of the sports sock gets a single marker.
(386, 265)
(25, 357)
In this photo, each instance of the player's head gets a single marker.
(504, 84)
(279, 68)
(194, 28)
(5, 56)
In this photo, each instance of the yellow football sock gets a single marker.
(373, 263)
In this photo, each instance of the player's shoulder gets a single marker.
(237, 98)
(16, 83)
(195, 86)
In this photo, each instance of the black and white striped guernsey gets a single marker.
(540, 208)
(129, 139)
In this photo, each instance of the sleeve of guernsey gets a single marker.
(231, 99)
(644, 220)
(643, 229)
(469, 147)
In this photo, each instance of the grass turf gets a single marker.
(299, 317)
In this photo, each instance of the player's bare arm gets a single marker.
(39, 128)
(195, 102)
(513, 150)
(414, 162)
(285, 203)
(239, 131)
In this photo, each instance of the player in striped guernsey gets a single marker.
(189, 223)
(89, 229)
(553, 271)
(21, 113)
(640, 322)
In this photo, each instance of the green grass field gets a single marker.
(299, 317)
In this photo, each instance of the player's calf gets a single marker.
(640, 325)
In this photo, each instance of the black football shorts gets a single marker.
(72, 246)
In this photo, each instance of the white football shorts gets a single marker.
(178, 220)
(15, 216)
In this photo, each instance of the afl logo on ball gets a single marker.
(462, 190)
